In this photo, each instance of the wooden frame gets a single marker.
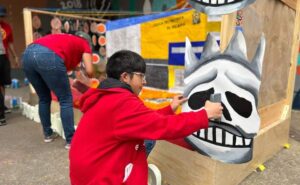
(27, 14)
(180, 166)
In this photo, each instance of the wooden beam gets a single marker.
(272, 113)
(291, 3)
(227, 29)
(66, 15)
(294, 58)
(28, 26)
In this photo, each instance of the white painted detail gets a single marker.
(239, 141)
(247, 142)
(202, 134)
(221, 1)
(117, 39)
(229, 139)
(218, 135)
(128, 170)
(210, 134)
(182, 49)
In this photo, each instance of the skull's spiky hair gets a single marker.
(236, 51)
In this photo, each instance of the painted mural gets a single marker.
(236, 81)
(160, 40)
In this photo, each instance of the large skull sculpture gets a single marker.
(230, 139)
(219, 7)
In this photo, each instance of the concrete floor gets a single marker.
(26, 160)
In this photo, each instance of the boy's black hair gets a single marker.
(124, 61)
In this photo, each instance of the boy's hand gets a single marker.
(177, 101)
(214, 110)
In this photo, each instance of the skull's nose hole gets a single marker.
(226, 113)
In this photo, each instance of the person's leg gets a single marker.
(7, 79)
(149, 145)
(29, 66)
(2, 116)
(55, 75)
(63, 92)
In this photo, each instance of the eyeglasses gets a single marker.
(142, 75)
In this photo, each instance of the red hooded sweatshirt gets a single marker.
(107, 147)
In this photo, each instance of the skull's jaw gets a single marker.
(223, 142)
(227, 154)
(219, 7)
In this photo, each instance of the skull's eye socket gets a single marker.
(240, 105)
(197, 100)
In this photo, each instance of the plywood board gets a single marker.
(276, 21)
(290, 3)
(27, 26)
(271, 113)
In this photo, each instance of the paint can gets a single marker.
(15, 83)
(15, 102)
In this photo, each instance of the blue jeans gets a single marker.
(149, 145)
(46, 72)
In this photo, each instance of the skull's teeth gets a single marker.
(216, 2)
(221, 2)
(219, 133)
(219, 136)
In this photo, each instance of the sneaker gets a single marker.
(7, 110)
(68, 146)
(50, 138)
(2, 121)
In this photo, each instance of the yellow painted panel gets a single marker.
(213, 26)
(157, 34)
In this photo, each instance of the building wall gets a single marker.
(15, 19)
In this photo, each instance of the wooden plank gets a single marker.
(290, 3)
(270, 114)
(28, 26)
(277, 22)
(67, 15)
(227, 29)
(180, 166)
(294, 57)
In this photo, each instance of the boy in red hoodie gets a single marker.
(108, 145)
